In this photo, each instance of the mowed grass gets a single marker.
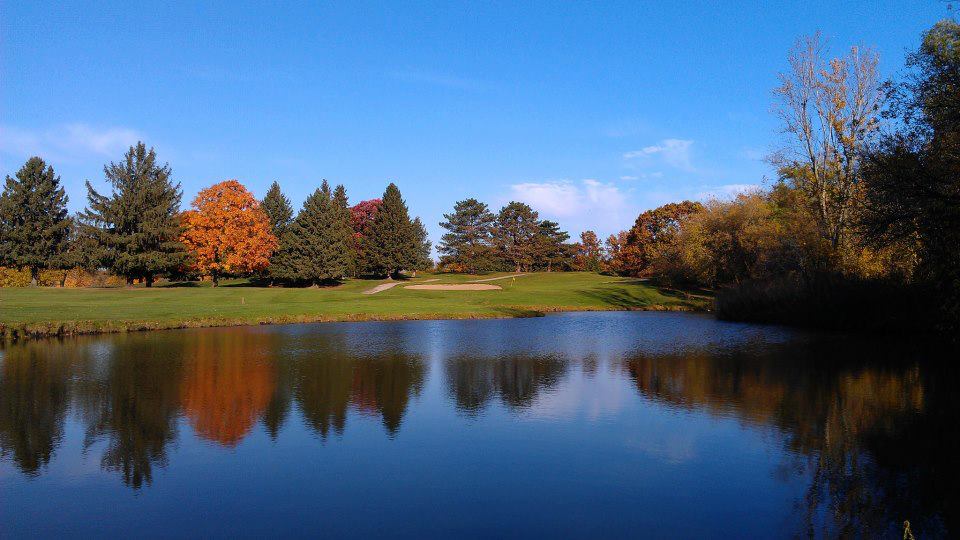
(51, 311)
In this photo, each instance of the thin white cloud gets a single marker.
(588, 204)
(728, 191)
(67, 141)
(559, 198)
(672, 152)
(642, 176)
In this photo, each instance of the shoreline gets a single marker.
(18, 332)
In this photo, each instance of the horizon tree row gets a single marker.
(515, 238)
(137, 231)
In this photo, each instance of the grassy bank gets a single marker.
(42, 312)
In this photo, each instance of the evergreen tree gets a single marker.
(467, 246)
(34, 227)
(137, 227)
(392, 244)
(315, 247)
(550, 249)
(421, 255)
(341, 230)
(277, 207)
(515, 233)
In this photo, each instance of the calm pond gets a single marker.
(570, 425)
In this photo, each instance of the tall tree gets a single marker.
(551, 249)
(589, 253)
(912, 177)
(392, 244)
(227, 232)
(34, 227)
(277, 207)
(341, 229)
(467, 245)
(137, 227)
(514, 234)
(315, 248)
(829, 109)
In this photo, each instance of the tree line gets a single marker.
(137, 231)
(862, 226)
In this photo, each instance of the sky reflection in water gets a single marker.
(582, 424)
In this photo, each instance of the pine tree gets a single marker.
(514, 234)
(467, 246)
(550, 249)
(316, 247)
(277, 207)
(34, 226)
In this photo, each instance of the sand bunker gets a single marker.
(455, 287)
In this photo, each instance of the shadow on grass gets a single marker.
(639, 295)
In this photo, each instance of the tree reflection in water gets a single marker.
(33, 401)
(853, 416)
(869, 426)
(228, 381)
(515, 379)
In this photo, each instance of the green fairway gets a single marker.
(50, 311)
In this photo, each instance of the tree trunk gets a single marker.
(34, 276)
(129, 281)
(149, 280)
(215, 278)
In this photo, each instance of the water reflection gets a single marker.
(847, 411)
(517, 380)
(866, 428)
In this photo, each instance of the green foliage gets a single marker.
(467, 245)
(136, 229)
(393, 244)
(317, 246)
(34, 226)
(515, 233)
(550, 248)
(277, 207)
(912, 177)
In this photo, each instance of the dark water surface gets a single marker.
(572, 425)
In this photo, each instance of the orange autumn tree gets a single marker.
(227, 232)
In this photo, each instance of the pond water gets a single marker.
(570, 425)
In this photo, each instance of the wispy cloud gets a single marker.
(587, 204)
(673, 152)
(67, 141)
(728, 191)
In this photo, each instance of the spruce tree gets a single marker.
(421, 242)
(392, 244)
(315, 247)
(277, 207)
(34, 227)
(341, 230)
(467, 244)
(136, 227)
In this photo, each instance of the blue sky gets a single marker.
(589, 111)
